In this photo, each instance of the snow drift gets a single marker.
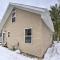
(6, 54)
(53, 53)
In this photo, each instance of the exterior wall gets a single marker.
(1, 41)
(41, 35)
(0, 38)
(46, 37)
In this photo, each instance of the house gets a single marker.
(28, 27)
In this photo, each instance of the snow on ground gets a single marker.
(6, 54)
(53, 53)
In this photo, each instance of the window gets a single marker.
(28, 35)
(0, 34)
(13, 15)
(8, 34)
(13, 19)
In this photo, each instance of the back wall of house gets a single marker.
(41, 35)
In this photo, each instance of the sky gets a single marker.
(38, 3)
(59, 1)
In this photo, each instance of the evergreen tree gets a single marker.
(55, 16)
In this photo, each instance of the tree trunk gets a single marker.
(58, 39)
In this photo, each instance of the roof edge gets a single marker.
(33, 9)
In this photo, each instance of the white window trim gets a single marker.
(31, 34)
(14, 11)
(13, 16)
(2, 37)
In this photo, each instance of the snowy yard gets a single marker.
(53, 53)
(6, 54)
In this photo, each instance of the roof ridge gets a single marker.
(28, 5)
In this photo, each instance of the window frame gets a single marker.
(13, 11)
(25, 36)
(13, 21)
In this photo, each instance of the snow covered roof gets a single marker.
(42, 11)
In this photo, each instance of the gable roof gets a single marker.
(42, 11)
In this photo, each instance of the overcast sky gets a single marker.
(39, 3)
(59, 1)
